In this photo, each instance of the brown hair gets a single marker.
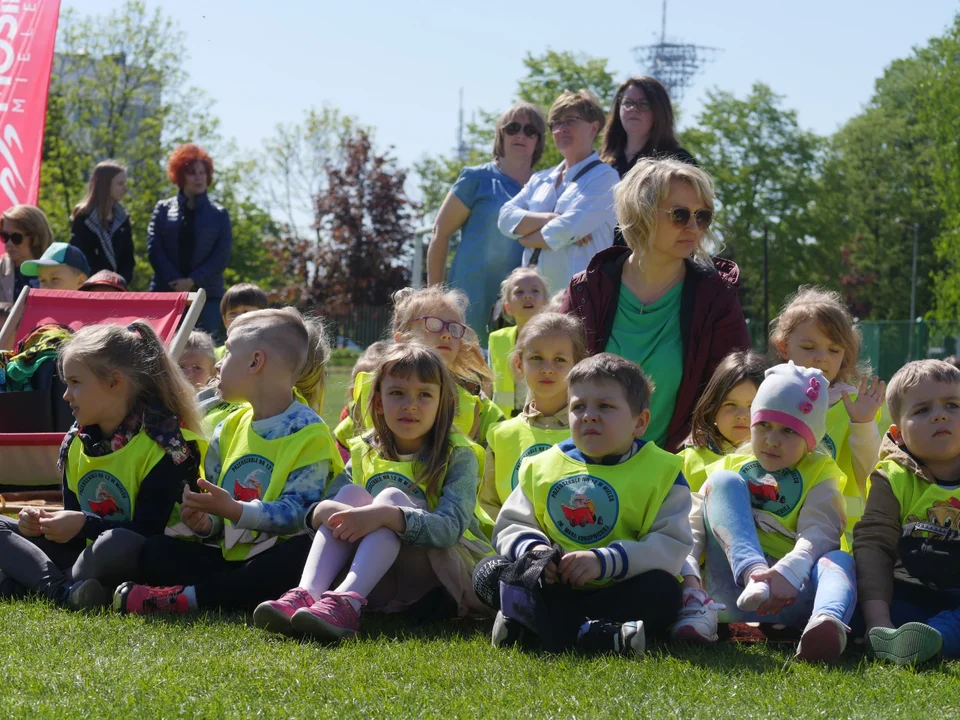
(201, 342)
(737, 367)
(243, 294)
(662, 134)
(583, 102)
(911, 375)
(98, 190)
(552, 323)
(33, 223)
(404, 361)
(506, 287)
(636, 386)
(135, 352)
(532, 113)
(827, 309)
(311, 382)
(282, 332)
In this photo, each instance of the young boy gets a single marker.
(198, 360)
(236, 301)
(906, 546)
(61, 267)
(617, 507)
(270, 461)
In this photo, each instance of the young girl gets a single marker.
(524, 293)
(816, 330)
(721, 417)
(547, 347)
(770, 520)
(401, 519)
(198, 361)
(134, 446)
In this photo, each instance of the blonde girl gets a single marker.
(198, 361)
(125, 461)
(401, 521)
(547, 347)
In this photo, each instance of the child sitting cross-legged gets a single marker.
(906, 546)
(617, 506)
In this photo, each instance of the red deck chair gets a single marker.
(31, 458)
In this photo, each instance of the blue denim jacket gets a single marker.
(212, 244)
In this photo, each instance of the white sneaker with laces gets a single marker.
(697, 622)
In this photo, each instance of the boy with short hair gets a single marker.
(238, 300)
(906, 546)
(271, 460)
(61, 267)
(618, 508)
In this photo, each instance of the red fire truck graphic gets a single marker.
(581, 511)
(104, 504)
(249, 488)
(765, 488)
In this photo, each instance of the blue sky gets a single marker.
(399, 66)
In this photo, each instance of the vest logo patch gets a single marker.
(774, 492)
(102, 494)
(531, 451)
(381, 481)
(830, 446)
(248, 478)
(583, 507)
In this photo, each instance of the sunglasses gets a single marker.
(680, 217)
(436, 325)
(15, 238)
(513, 128)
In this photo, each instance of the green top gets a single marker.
(649, 335)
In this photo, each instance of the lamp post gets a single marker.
(913, 287)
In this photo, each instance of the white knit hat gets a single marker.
(796, 397)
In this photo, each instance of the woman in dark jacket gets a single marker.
(100, 226)
(189, 239)
(663, 301)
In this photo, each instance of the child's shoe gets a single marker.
(86, 595)
(146, 600)
(507, 631)
(610, 637)
(910, 644)
(275, 615)
(697, 622)
(332, 617)
(10, 588)
(823, 640)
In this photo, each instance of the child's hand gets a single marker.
(550, 573)
(29, 521)
(782, 593)
(355, 524)
(326, 508)
(196, 520)
(63, 526)
(215, 501)
(580, 567)
(870, 397)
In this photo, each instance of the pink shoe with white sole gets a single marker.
(332, 617)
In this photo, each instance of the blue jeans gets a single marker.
(733, 547)
(940, 609)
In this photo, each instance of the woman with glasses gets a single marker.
(26, 234)
(663, 301)
(564, 215)
(484, 256)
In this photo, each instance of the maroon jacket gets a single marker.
(711, 322)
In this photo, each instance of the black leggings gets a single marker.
(228, 584)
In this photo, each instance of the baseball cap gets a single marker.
(104, 279)
(57, 254)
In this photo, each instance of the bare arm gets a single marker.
(453, 214)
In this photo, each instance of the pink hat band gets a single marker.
(788, 420)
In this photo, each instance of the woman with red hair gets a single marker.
(189, 238)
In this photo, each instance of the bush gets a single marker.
(343, 357)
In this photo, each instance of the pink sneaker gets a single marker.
(332, 617)
(274, 615)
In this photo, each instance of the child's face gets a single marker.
(545, 364)
(777, 446)
(810, 347)
(60, 277)
(601, 421)
(197, 368)
(527, 297)
(94, 400)
(733, 417)
(237, 370)
(409, 407)
(236, 312)
(443, 341)
(930, 424)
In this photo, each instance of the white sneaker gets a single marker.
(697, 622)
(823, 640)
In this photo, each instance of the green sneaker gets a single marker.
(910, 644)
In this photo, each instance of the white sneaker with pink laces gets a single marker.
(697, 621)
(332, 617)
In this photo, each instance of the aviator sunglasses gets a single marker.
(15, 238)
(513, 128)
(680, 217)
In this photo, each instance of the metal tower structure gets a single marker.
(673, 64)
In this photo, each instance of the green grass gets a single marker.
(335, 394)
(56, 663)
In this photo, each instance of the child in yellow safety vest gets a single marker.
(616, 506)
(524, 293)
(769, 521)
(268, 462)
(134, 447)
(547, 348)
(400, 519)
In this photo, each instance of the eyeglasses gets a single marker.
(680, 217)
(513, 128)
(567, 122)
(15, 238)
(436, 325)
(638, 105)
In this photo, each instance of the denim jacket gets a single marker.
(212, 245)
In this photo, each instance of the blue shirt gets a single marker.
(485, 256)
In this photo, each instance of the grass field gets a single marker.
(335, 394)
